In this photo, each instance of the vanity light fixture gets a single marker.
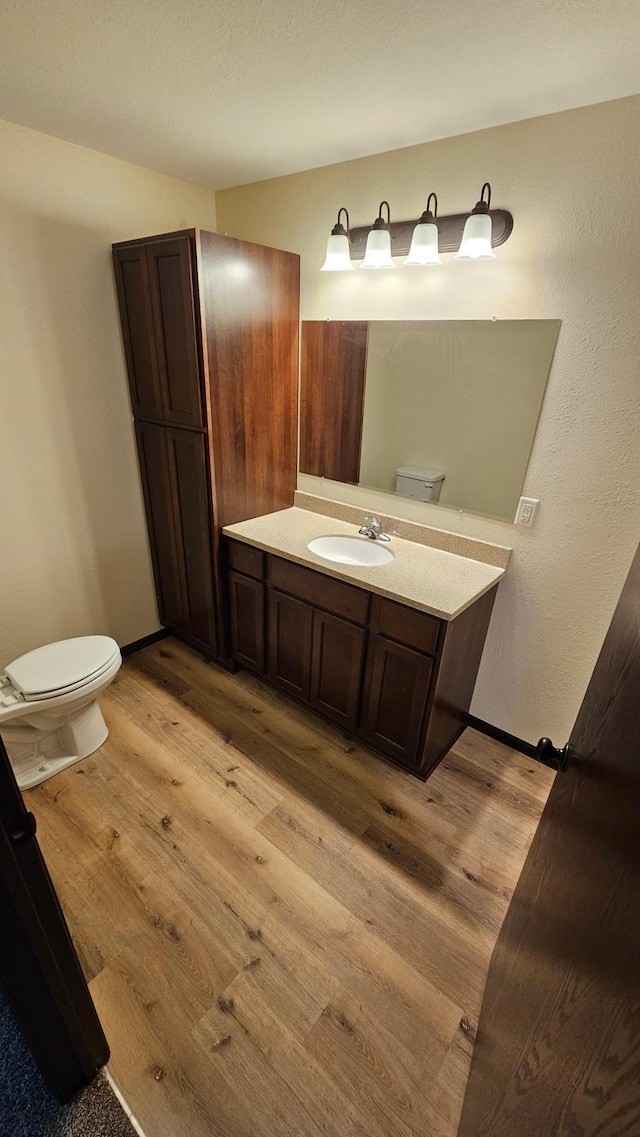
(476, 238)
(378, 250)
(338, 258)
(424, 242)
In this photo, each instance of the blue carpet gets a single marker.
(26, 1105)
(29, 1109)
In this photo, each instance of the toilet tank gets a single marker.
(418, 483)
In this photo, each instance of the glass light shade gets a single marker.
(476, 239)
(424, 246)
(378, 250)
(338, 258)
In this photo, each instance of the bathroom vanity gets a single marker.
(210, 331)
(388, 652)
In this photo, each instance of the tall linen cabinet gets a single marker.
(210, 330)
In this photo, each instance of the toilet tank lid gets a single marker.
(49, 668)
(420, 473)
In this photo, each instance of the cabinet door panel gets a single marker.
(157, 485)
(137, 330)
(290, 627)
(174, 312)
(396, 696)
(193, 528)
(336, 669)
(319, 590)
(246, 601)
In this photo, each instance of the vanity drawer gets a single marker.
(406, 625)
(246, 559)
(322, 591)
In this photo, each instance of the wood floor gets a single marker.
(284, 936)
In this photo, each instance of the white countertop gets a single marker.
(441, 583)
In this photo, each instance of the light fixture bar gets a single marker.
(450, 229)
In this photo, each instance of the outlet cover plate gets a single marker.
(526, 511)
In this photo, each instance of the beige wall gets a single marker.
(571, 181)
(73, 547)
(458, 396)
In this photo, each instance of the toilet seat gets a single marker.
(61, 668)
(49, 713)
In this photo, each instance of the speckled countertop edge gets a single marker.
(431, 580)
(486, 551)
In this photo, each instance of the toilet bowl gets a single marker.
(49, 714)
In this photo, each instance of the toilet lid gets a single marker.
(66, 664)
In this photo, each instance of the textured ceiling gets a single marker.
(226, 93)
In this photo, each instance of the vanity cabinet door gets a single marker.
(290, 634)
(134, 300)
(396, 689)
(171, 289)
(174, 477)
(157, 484)
(158, 310)
(189, 474)
(246, 602)
(336, 668)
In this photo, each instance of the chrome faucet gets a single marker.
(373, 528)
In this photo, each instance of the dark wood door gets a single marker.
(558, 1049)
(40, 970)
(397, 686)
(159, 492)
(136, 317)
(174, 306)
(175, 482)
(189, 474)
(332, 383)
(246, 603)
(336, 668)
(290, 631)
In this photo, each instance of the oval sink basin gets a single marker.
(351, 550)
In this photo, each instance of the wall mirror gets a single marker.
(435, 410)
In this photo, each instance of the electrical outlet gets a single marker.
(526, 511)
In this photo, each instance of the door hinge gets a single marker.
(556, 757)
(24, 831)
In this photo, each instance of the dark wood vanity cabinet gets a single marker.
(156, 281)
(393, 707)
(290, 624)
(173, 464)
(399, 679)
(246, 612)
(210, 331)
(337, 657)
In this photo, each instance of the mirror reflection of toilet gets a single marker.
(49, 714)
(419, 483)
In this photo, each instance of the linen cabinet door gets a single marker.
(138, 333)
(188, 463)
(246, 603)
(336, 668)
(158, 488)
(397, 686)
(173, 302)
(290, 631)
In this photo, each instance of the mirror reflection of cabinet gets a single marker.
(434, 410)
(334, 359)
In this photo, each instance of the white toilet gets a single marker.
(49, 714)
(419, 483)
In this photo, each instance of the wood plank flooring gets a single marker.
(284, 935)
